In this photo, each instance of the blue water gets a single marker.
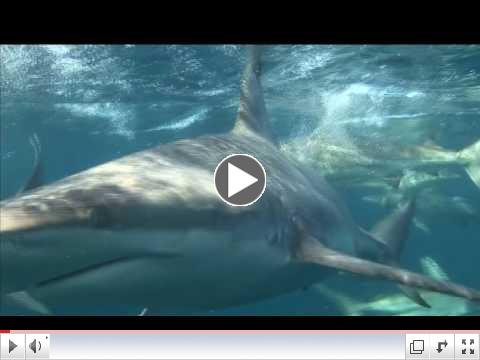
(92, 104)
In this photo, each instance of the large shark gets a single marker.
(148, 230)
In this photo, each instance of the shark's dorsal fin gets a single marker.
(36, 178)
(252, 113)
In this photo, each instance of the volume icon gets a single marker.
(35, 346)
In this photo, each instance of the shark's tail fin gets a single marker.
(252, 113)
(470, 157)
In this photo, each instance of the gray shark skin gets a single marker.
(149, 231)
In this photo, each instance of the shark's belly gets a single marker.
(111, 272)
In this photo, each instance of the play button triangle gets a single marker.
(238, 180)
(11, 346)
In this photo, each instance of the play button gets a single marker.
(240, 179)
(11, 346)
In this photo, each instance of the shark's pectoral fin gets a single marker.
(310, 250)
(24, 300)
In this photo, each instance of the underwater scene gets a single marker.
(372, 198)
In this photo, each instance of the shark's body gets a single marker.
(160, 201)
(149, 231)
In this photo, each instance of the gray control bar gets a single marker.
(236, 345)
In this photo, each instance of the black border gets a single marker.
(242, 22)
(239, 323)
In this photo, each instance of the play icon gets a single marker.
(240, 179)
(11, 346)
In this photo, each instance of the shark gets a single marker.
(148, 230)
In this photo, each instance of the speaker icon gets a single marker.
(35, 346)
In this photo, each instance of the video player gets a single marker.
(239, 187)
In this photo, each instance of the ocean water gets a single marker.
(90, 104)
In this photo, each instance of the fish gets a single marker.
(148, 230)
(408, 183)
(350, 161)
(414, 181)
(431, 154)
(338, 159)
(433, 206)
